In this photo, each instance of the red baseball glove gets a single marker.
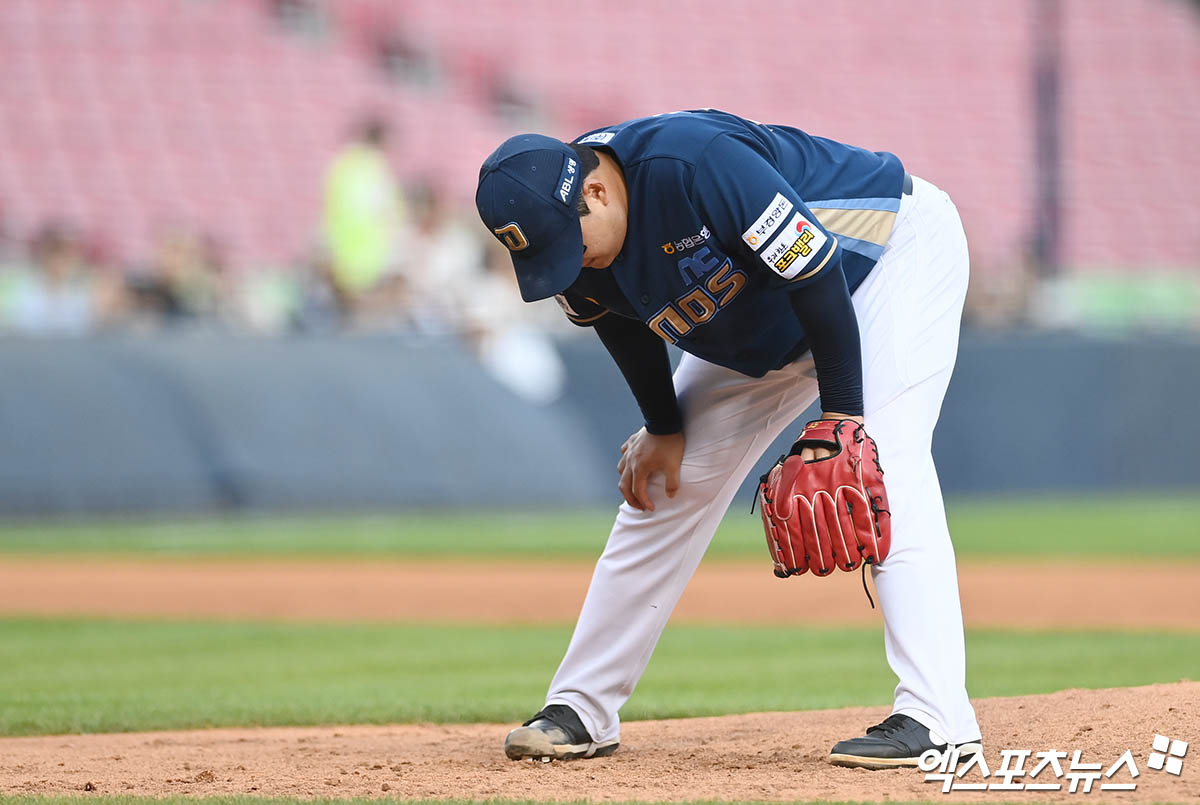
(830, 512)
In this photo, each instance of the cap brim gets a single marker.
(552, 270)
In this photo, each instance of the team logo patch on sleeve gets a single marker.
(761, 230)
(599, 138)
(790, 252)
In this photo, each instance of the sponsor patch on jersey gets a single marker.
(761, 230)
(691, 241)
(566, 179)
(789, 253)
(599, 138)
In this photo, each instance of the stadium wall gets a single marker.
(212, 422)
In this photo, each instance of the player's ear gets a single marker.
(594, 190)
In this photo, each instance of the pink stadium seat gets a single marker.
(122, 113)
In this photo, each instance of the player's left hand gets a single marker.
(812, 453)
(642, 455)
(830, 511)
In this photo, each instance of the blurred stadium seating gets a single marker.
(164, 162)
(124, 114)
(129, 115)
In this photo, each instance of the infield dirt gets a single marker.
(763, 756)
(994, 593)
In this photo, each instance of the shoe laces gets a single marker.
(890, 725)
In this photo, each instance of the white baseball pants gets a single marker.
(908, 313)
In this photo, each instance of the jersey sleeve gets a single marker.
(753, 211)
(579, 309)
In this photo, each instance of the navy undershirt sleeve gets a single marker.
(642, 358)
(827, 316)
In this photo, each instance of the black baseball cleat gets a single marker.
(898, 741)
(556, 733)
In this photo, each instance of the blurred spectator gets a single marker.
(403, 62)
(8, 244)
(58, 295)
(316, 307)
(1000, 296)
(186, 282)
(506, 333)
(388, 306)
(442, 264)
(514, 106)
(363, 212)
(305, 17)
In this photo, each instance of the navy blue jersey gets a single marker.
(726, 216)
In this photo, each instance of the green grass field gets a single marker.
(1089, 527)
(99, 676)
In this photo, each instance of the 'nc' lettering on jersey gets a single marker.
(695, 266)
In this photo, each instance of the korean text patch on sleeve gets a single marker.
(768, 223)
(746, 201)
(799, 250)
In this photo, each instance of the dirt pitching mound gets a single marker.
(763, 756)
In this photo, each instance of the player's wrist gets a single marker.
(665, 427)
(837, 416)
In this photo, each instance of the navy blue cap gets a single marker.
(526, 196)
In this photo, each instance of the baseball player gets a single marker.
(786, 267)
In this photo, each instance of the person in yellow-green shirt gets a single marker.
(363, 213)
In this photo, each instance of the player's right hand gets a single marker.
(642, 455)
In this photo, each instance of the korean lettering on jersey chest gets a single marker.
(712, 283)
